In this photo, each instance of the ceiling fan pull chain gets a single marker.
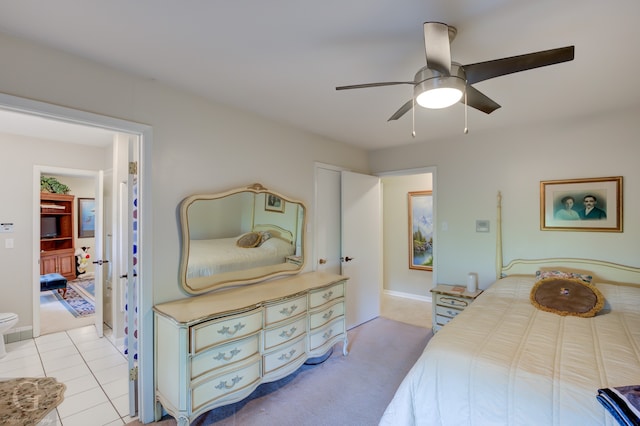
(466, 107)
(413, 117)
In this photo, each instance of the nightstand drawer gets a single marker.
(442, 320)
(447, 311)
(446, 300)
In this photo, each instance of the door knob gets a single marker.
(346, 259)
(322, 261)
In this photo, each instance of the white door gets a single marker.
(327, 233)
(99, 253)
(361, 245)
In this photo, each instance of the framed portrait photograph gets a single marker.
(273, 203)
(86, 217)
(591, 204)
(421, 230)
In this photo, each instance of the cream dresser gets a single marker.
(215, 349)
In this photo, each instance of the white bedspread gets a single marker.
(207, 257)
(503, 362)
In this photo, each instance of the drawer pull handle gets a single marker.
(327, 295)
(223, 357)
(287, 357)
(286, 335)
(452, 313)
(226, 330)
(328, 334)
(328, 315)
(287, 312)
(224, 385)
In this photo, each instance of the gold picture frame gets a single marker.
(589, 204)
(421, 230)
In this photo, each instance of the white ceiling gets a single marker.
(283, 58)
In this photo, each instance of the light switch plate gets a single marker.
(482, 226)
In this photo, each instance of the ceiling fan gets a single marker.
(442, 83)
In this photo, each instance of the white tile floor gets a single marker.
(92, 368)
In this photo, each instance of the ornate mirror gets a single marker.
(240, 236)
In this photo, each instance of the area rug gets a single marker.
(84, 285)
(26, 401)
(76, 302)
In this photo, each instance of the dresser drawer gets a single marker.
(209, 333)
(224, 355)
(447, 311)
(320, 318)
(460, 302)
(220, 386)
(284, 356)
(322, 335)
(285, 310)
(284, 333)
(322, 296)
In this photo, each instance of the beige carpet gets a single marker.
(25, 401)
(352, 390)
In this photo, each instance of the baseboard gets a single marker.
(18, 334)
(407, 295)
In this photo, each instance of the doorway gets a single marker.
(330, 230)
(75, 305)
(143, 293)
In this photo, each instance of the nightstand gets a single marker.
(448, 303)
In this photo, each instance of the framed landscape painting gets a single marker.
(421, 230)
(86, 217)
(591, 204)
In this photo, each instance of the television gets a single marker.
(48, 227)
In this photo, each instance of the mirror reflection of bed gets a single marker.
(240, 236)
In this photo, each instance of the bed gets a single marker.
(220, 255)
(503, 361)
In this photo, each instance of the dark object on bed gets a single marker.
(623, 403)
(54, 282)
(564, 296)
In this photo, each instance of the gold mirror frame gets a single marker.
(233, 214)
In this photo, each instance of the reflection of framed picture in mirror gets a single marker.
(86, 217)
(592, 204)
(273, 203)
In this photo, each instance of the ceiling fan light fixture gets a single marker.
(441, 97)
(436, 91)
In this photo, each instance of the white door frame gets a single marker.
(145, 289)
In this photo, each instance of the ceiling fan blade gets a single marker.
(363, 86)
(480, 101)
(402, 111)
(485, 70)
(437, 47)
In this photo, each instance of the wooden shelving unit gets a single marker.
(57, 253)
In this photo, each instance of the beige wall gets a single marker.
(473, 168)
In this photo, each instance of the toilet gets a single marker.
(7, 322)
